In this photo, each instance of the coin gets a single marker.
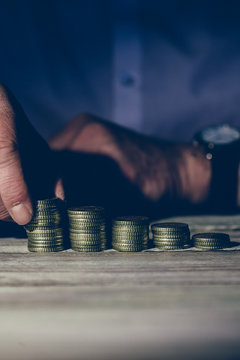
(166, 247)
(128, 249)
(85, 236)
(87, 249)
(170, 225)
(47, 249)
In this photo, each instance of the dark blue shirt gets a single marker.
(164, 68)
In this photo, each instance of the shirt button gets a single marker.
(127, 79)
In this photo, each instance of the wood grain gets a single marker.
(150, 305)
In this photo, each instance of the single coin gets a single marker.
(171, 236)
(130, 231)
(169, 225)
(210, 247)
(130, 235)
(169, 241)
(52, 230)
(85, 243)
(165, 247)
(131, 218)
(85, 231)
(36, 246)
(48, 201)
(45, 249)
(46, 217)
(139, 244)
(86, 214)
(45, 236)
(120, 249)
(170, 230)
(86, 217)
(86, 249)
(132, 246)
(46, 241)
(203, 236)
(210, 242)
(84, 236)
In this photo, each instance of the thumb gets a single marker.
(13, 189)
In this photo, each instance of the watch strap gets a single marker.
(224, 180)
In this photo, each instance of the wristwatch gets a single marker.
(221, 146)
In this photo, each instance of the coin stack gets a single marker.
(87, 229)
(46, 231)
(211, 241)
(170, 235)
(130, 233)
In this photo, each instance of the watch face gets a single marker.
(220, 135)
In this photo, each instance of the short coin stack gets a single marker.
(87, 228)
(130, 233)
(170, 235)
(211, 241)
(46, 230)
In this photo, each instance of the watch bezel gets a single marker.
(199, 137)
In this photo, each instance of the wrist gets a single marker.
(194, 173)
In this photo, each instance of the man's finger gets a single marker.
(13, 189)
(59, 190)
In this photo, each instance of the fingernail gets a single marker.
(59, 190)
(21, 213)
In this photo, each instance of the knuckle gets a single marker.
(4, 215)
(8, 152)
(12, 191)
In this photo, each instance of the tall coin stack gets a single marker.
(46, 231)
(130, 233)
(170, 235)
(87, 231)
(211, 241)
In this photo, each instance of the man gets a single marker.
(155, 168)
(179, 77)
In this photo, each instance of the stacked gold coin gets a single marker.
(46, 231)
(211, 241)
(130, 233)
(87, 231)
(170, 235)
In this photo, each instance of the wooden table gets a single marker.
(110, 305)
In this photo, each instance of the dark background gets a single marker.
(59, 58)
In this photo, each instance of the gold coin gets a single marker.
(47, 249)
(170, 247)
(170, 225)
(210, 236)
(47, 243)
(86, 249)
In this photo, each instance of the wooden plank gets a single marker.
(150, 305)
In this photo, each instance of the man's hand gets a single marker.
(25, 162)
(157, 168)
